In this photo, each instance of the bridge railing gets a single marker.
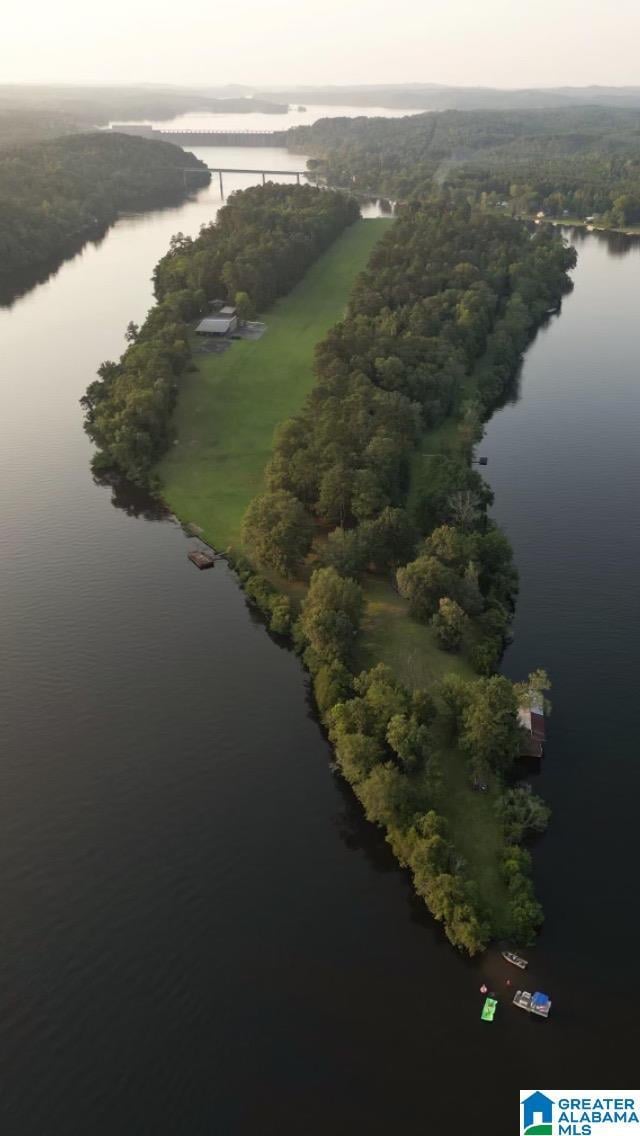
(181, 131)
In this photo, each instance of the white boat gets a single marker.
(514, 959)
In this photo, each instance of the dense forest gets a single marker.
(434, 332)
(576, 162)
(260, 245)
(55, 194)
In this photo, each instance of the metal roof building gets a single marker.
(217, 325)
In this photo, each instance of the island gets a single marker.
(362, 531)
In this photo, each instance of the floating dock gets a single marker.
(537, 1003)
(201, 559)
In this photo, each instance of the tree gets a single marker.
(469, 594)
(357, 754)
(408, 739)
(390, 538)
(332, 684)
(346, 550)
(278, 530)
(450, 545)
(533, 691)
(383, 696)
(244, 306)
(386, 796)
(423, 583)
(450, 624)
(490, 733)
(368, 495)
(330, 615)
(334, 499)
(465, 508)
(523, 812)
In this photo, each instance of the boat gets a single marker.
(489, 1009)
(514, 959)
(537, 1003)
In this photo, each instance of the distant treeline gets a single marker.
(261, 244)
(438, 97)
(52, 194)
(582, 161)
(33, 112)
(446, 306)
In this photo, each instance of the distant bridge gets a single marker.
(204, 137)
(220, 170)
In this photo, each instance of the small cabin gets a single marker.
(532, 723)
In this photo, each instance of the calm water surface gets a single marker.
(199, 934)
(205, 120)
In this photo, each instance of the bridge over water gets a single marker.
(204, 137)
(220, 170)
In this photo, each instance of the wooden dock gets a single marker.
(201, 559)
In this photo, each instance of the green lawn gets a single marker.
(475, 832)
(390, 635)
(229, 407)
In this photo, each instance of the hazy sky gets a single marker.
(507, 43)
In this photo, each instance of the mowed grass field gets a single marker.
(229, 407)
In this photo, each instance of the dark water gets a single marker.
(199, 934)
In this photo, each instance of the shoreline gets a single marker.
(576, 223)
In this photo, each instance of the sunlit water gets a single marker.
(205, 120)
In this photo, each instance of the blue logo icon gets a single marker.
(538, 1115)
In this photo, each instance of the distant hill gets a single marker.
(30, 113)
(433, 96)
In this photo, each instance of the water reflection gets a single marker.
(132, 499)
(18, 284)
(616, 244)
(358, 834)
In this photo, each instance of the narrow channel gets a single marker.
(200, 934)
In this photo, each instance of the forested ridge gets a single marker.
(434, 331)
(581, 161)
(262, 242)
(55, 194)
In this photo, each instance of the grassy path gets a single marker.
(229, 407)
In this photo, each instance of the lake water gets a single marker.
(205, 120)
(200, 934)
